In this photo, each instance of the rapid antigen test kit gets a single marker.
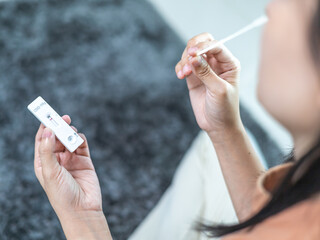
(45, 114)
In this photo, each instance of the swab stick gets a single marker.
(256, 23)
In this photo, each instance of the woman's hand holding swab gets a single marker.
(212, 81)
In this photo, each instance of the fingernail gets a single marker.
(192, 50)
(186, 69)
(180, 74)
(47, 133)
(198, 62)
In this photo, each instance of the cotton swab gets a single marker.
(258, 22)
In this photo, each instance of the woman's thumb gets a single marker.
(49, 163)
(204, 72)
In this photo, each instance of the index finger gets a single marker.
(203, 37)
(83, 149)
(219, 51)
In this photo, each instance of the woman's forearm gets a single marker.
(85, 225)
(240, 167)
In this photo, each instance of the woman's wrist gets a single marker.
(240, 166)
(227, 134)
(86, 225)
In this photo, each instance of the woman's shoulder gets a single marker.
(266, 183)
(301, 221)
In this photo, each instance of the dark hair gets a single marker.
(300, 183)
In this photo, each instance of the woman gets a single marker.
(283, 203)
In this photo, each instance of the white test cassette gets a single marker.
(48, 116)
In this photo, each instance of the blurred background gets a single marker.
(109, 64)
